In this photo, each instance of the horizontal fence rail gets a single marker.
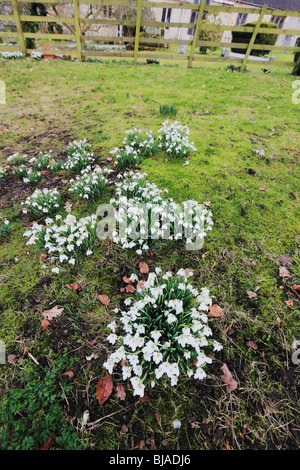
(73, 31)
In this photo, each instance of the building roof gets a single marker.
(288, 5)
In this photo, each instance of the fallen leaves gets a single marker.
(104, 299)
(144, 267)
(49, 442)
(145, 399)
(285, 259)
(68, 207)
(129, 289)
(215, 311)
(294, 288)
(228, 379)
(284, 272)
(251, 294)
(121, 394)
(53, 312)
(74, 286)
(69, 374)
(49, 315)
(104, 389)
(252, 345)
(45, 324)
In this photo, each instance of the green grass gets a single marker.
(230, 116)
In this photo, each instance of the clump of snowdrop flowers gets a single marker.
(79, 156)
(17, 158)
(37, 55)
(138, 210)
(144, 216)
(64, 239)
(12, 55)
(3, 172)
(135, 147)
(174, 139)
(90, 184)
(125, 157)
(163, 333)
(43, 202)
(20, 171)
(189, 223)
(42, 161)
(5, 228)
(33, 177)
(146, 145)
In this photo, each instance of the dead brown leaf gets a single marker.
(251, 344)
(144, 268)
(251, 294)
(104, 299)
(104, 389)
(69, 374)
(11, 358)
(73, 286)
(45, 324)
(53, 312)
(129, 288)
(145, 398)
(124, 428)
(284, 272)
(49, 442)
(68, 207)
(215, 311)
(289, 303)
(121, 392)
(285, 259)
(228, 379)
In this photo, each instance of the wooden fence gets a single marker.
(137, 41)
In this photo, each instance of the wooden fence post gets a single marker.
(77, 27)
(252, 40)
(196, 33)
(19, 26)
(137, 30)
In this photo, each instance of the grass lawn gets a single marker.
(246, 131)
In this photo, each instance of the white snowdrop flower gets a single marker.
(157, 357)
(112, 326)
(171, 318)
(199, 374)
(176, 424)
(112, 338)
